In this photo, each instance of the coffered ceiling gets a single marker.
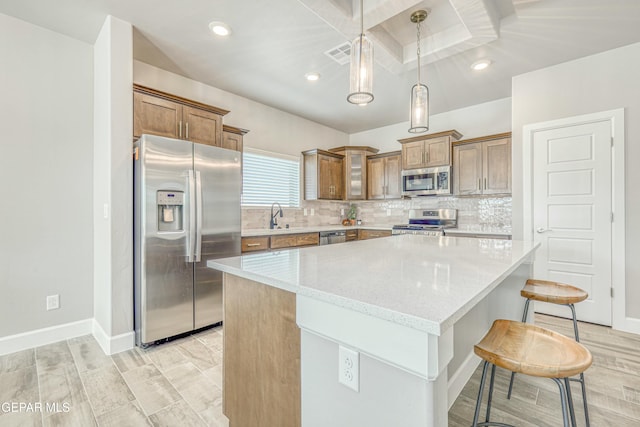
(275, 43)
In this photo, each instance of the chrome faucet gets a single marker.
(273, 223)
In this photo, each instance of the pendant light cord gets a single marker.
(361, 17)
(418, 24)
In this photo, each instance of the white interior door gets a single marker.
(572, 205)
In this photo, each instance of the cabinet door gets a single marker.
(393, 178)
(283, 241)
(203, 127)
(376, 178)
(336, 173)
(232, 141)
(329, 175)
(252, 244)
(355, 185)
(308, 239)
(365, 234)
(497, 166)
(467, 169)
(156, 116)
(438, 152)
(413, 156)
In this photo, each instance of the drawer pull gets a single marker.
(253, 245)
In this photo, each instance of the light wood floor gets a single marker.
(174, 384)
(179, 384)
(613, 385)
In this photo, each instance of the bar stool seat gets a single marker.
(555, 293)
(552, 292)
(531, 350)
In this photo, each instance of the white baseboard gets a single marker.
(112, 345)
(461, 377)
(631, 325)
(45, 336)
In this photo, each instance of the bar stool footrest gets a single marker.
(494, 424)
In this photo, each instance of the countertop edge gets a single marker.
(258, 232)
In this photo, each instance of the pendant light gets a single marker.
(419, 92)
(361, 69)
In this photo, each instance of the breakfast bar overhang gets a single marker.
(411, 307)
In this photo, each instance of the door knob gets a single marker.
(541, 230)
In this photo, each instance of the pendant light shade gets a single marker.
(361, 69)
(419, 108)
(419, 92)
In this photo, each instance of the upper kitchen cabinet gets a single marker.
(482, 165)
(383, 176)
(232, 137)
(323, 175)
(163, 114)
(355, 170)
(427, 151)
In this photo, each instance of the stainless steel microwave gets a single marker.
(426, 182)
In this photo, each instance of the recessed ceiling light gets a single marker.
(220, 28)
(480, 65)
(312, 77)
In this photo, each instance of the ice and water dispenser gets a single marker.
(170, 205)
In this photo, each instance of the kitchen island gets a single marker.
(411, 307)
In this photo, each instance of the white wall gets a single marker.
(478, 120)
(112, 179)
(45, 168)
(270, 129)
(596, 83)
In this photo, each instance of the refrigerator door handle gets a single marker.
(198, 216)
(192, 217)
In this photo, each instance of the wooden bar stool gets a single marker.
(555, 293)
(531, 350)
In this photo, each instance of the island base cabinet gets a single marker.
(261, 355)
(388, 396)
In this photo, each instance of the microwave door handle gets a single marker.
(192, 216)
(198, 216)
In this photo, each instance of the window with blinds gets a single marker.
(268, 178)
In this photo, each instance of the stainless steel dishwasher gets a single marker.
(331, 237)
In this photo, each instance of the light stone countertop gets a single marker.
(312, 229)
(478, 230)
(427, 283)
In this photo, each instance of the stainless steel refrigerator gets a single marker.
(186, 211)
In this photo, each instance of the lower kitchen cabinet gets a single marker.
(254, 244)
(351, 235)
(364, 234)
(294, 240)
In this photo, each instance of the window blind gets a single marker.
(269, 178)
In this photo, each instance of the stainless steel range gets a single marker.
(428, 222)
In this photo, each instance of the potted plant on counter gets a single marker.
(351, 214)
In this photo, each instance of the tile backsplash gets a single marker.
(474, 213)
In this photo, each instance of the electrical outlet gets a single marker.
(313, 212)
(342, 212)
(53, 302)
(305, 211)
(349, 368)
(388, 212)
